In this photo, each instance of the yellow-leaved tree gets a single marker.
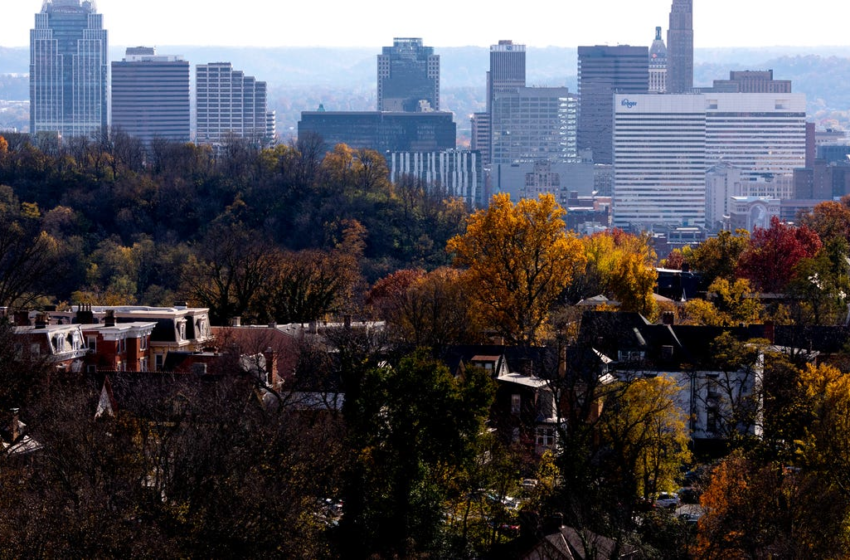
(519, 258)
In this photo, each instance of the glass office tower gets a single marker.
(68, 69)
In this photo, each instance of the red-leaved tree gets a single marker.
(768, 262)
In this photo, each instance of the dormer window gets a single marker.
(631, 356)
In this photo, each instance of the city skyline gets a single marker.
(819, 25)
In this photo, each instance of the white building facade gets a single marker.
(457, 173)
(659, 161)
(665, 144)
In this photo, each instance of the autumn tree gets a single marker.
(769, 260)
(717, 257)
(728, 304)
(620, 266)
(519, 259)
(647, 435)
(428, 309)
(830, 219)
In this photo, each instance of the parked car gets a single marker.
(667, 500)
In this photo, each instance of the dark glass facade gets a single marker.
(602, 72)
(381, 131)
(408, 77)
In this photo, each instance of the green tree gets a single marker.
(411, 427)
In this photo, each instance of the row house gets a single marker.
(120, 338)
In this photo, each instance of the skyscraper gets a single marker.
(602, 72)
(680, 47)
(68, 69)
(507, 69)
(408, 77)
(231, 103)
(658, 64)
(150, 96)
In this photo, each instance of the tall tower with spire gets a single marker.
(658, 64)
(68, 69)
(680, 47)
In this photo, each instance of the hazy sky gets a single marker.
(719, 23)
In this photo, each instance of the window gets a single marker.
(35, 349)
(159, 361)
(91, 342)
(143, 364)
(712, 420)
(516, 404)
(143, 343)
(545, 437)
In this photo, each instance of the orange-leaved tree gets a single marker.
(519, 258)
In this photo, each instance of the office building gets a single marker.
(507, 69)
(453, 173)
(382, 131)
(659, 161)
(150, 96)
(762, 134)
(603, 71)
(658, 64)
(665, 144)
(721, 181)
(68, 69)
(750, 212)
(680, 47)
(533, 124)
(482, 133)
(531, 179)
(229, 103)
(408, 77)
(749, 81)
(506, 74)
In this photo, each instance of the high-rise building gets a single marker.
(658, 64)
(381, 131)
(659, 161)
(602, 72)
(507, 69)
(506, 73)
(482, 135)
(231, 103)
(408, 77)
(150, 96)
(68, 69)
(680, 47)
(534, 124)
(664, 144)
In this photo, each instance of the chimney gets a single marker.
(109, 320)
(15, 425)
(42, 320)
(236, 322)
(181, 305)
(271, 366)
(554, 523)
(770, 331)
(668, 318)
(272, 325)
(22, 319)
(85, 316)
(686, 267)
(314, 327)
(347, 321)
